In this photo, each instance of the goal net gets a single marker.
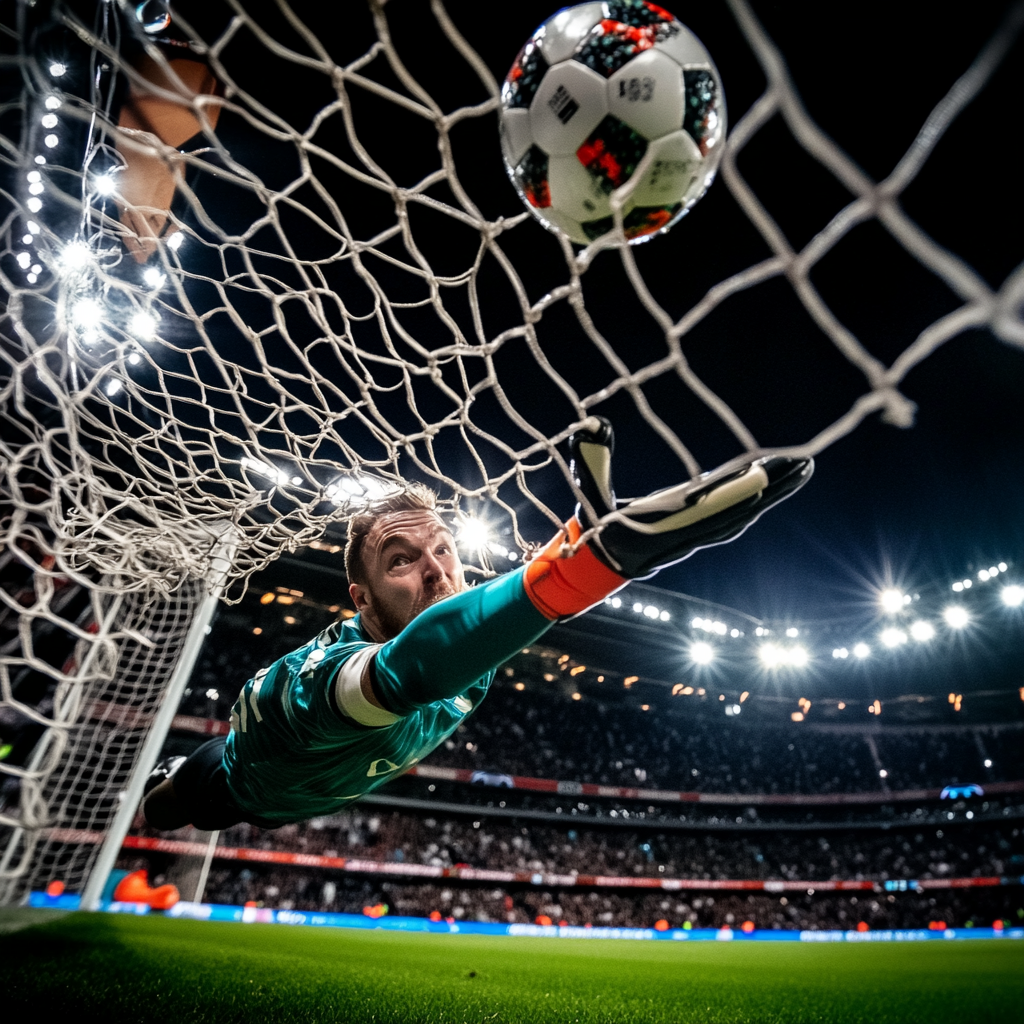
(259, 269)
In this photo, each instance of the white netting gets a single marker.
(341, 303)
(313, 277)
(84, 721)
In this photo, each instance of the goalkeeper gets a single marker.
(373, 695)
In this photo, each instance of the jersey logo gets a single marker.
(376, 769)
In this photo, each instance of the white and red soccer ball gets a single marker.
(609, 96)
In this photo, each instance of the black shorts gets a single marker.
(201, 785)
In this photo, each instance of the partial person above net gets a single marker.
(373, 695)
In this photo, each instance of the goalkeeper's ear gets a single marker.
(591, 447)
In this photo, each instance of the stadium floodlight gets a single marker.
(792, 631)
(1013, 595)
(983, 575)
(175, 240)
(840, 652)
(638, 607)
(922, 631)
(797, 656)
(264, 469)
(891, 600)
(957, 587)
(1002, 565)
(702, 653)
(861, 650)
(143, 326)
(153, 277)
(616, 602)
(664, 616)
(51, 141)
(968, 584)
(105, 185)
(956, 617)
(994, 570)
(52, 103)
(75, 255)
(87, 314)
(113, 386)
(893, 637)
(651, 612)
(474, 534)
(57, 69)
(770, 655)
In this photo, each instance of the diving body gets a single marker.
(373, 695)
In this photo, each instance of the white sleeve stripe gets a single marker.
(348, 691)
(253, 694)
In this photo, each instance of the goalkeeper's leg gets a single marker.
(192, 791)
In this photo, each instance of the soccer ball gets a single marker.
(612, 99)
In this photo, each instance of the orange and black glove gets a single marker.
(647, 534)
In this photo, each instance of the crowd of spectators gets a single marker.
(455, 900)
(373, 834)
(533, 725)
(618, 743)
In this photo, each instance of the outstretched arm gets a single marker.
(455, 642)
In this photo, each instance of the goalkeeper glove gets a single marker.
(649, 533)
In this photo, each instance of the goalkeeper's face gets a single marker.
(411, 563)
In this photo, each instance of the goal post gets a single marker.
(116, 698)
(131, 797)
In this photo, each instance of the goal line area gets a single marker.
(424, 925)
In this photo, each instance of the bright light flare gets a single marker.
(702, 653)
(774, 656)
(75, 255)
(175, 240)
(893, 637)
(956, 617)
(87, 314)
(143, 326)
(153, 277)
(891, 600)
(1013, 595)
(474, 534)
(861, 650)
(51, 141)
(922, 631)
(57, 69)
(105, 185)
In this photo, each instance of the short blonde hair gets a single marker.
(412, 497)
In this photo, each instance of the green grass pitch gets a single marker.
(119, 968)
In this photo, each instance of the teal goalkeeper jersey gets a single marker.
(292, 755)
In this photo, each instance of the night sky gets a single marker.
(915, 507)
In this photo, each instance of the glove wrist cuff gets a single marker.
(560, 587)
